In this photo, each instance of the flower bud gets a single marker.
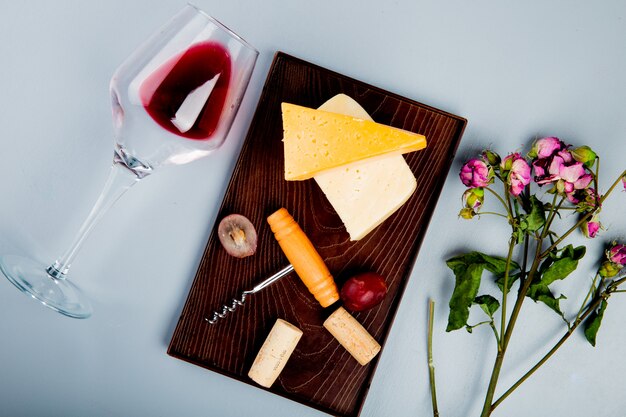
(491, 157)
(507, 163)
(474, 198)
(590, 229)
(517, 172)
(617, 255)
(467, 213)
(609, 269)
(585, 155)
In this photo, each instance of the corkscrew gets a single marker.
(304, 259)
(236, 302)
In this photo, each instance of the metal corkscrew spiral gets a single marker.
(227, 308)
(236, 302)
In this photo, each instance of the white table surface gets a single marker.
(515, 70)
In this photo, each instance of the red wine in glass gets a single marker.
(186, 94)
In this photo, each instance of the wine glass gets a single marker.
(174, 100)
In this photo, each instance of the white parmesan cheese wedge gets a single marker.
(274, 353)
(367, 192)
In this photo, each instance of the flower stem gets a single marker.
(480, 324)
(525, 259)
(507, 196)
(617, 181)
(494, 213)
(522, 294)
(550, 352)
(553, 209)
(495, 373)
(495, 332)
(583, 219)
(501, 200)
(431, 363)
(612, 288)
(591, 291)
(505, 286)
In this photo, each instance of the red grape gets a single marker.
(237, 235)
(363, 291)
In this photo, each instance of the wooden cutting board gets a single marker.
(320, 373)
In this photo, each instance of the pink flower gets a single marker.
(568, 174)
(590, 229)
(546, 147)
(542, 153)
(617, 254)
(476, 173)
(624, 182)
(518, 176)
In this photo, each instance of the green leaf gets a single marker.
(468, 269)
(497, 265)
(534, 220)
(465, 290)
(559, 265)
(592, 325)
(488, 304)
(462, 261)
(512, 279)
(544, 295)
(536, 217)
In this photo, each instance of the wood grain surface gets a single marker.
(320, 373)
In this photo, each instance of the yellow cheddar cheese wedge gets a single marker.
(316, 140)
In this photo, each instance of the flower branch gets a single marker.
(574, 183)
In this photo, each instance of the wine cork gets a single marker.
(275, 352)
(352, 336)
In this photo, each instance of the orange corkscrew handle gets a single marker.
(305, 260)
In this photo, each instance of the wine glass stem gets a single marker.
(119, 181)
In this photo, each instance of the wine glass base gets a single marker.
(58, 294)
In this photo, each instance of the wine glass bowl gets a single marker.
(175, 97)
(173, 101)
